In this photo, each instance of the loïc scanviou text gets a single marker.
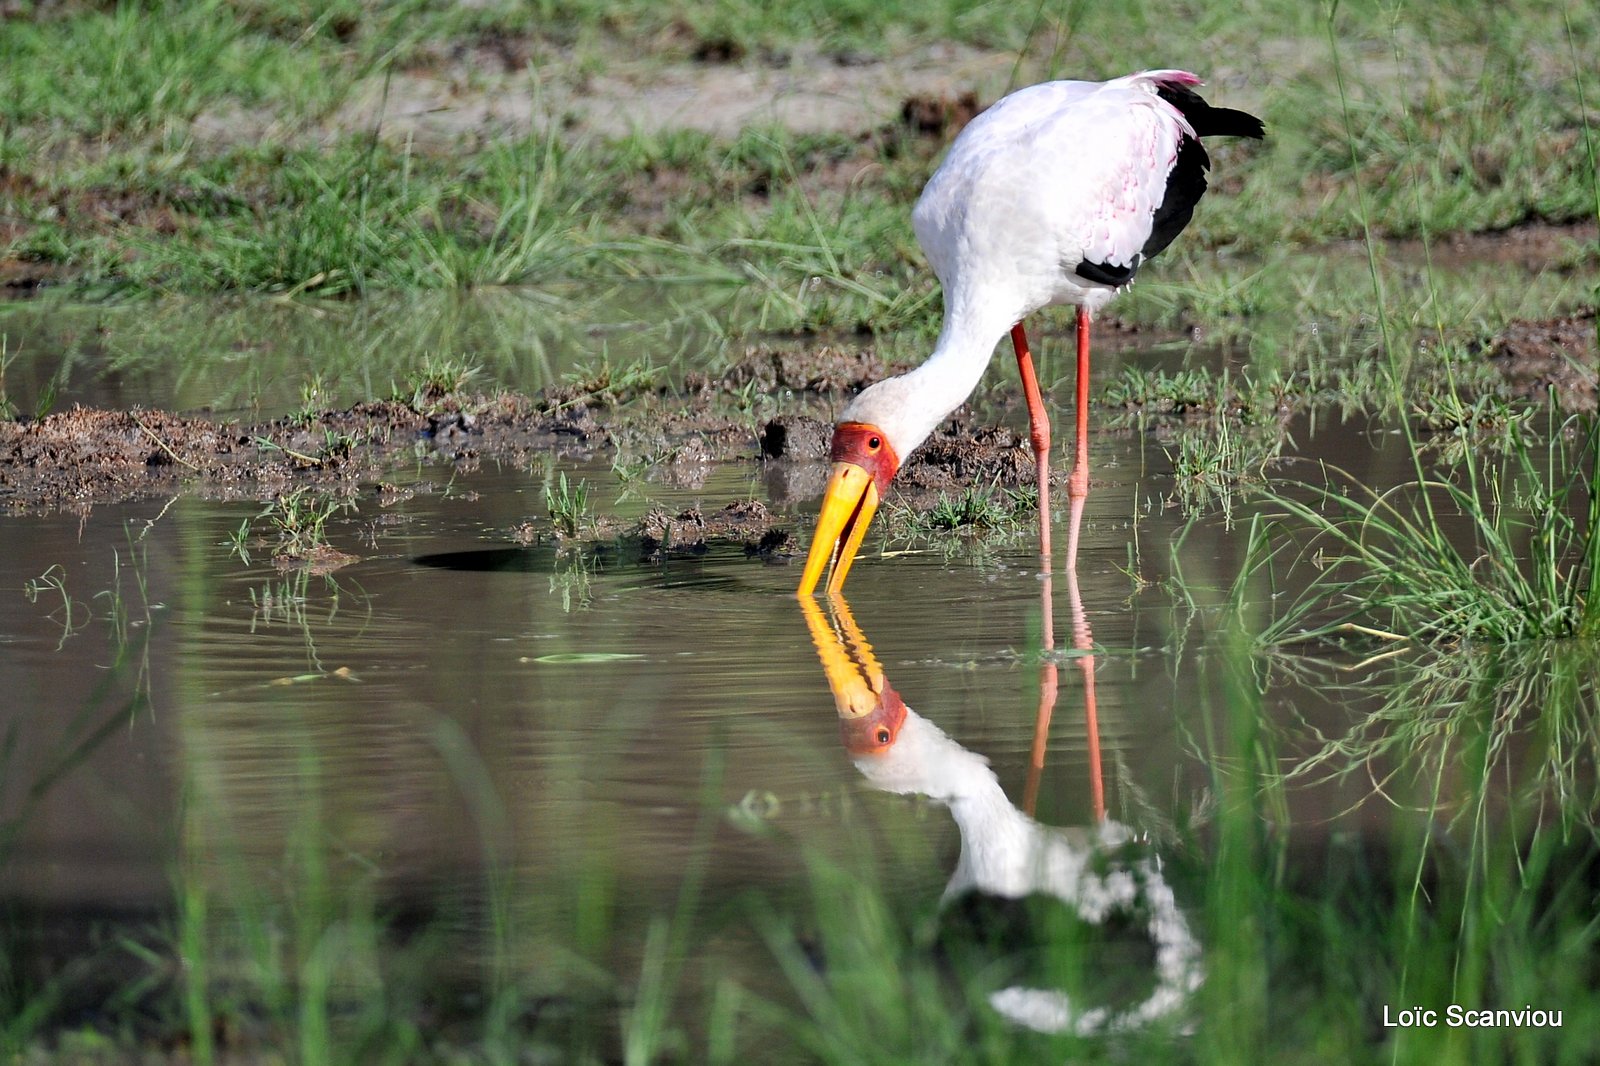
(1456, 1016)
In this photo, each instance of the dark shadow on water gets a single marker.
(486, 560)
(702, 567)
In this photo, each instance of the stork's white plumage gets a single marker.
(1055, 195)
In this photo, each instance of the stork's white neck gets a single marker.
(910, 406)
(1003, 851)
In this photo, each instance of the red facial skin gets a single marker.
(863, 465)
(876, 732)
(868, 448)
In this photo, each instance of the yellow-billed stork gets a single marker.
(1055, 195)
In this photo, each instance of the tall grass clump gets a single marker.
(1505, 553)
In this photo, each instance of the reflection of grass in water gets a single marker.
(574, 569)
(1214, 464)
(30, 995)
(1483, 763)
(1486, 758)
(526, 961)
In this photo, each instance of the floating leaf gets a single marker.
(566, 657)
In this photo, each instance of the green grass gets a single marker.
(436, 377)
(1472, 113)
(1506, 551)
(976, 515)
(568, 506)
(296, 523)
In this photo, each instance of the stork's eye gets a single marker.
(883, 734)
(873, 444)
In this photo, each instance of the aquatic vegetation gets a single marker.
(1219, 463)
(438, 376)
(604, 384)
(52, 587)
(297, 522)
(8, 409)
(568, 506)
(977, 510)
(1503, 551)
(1177, 393)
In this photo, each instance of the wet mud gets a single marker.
(85, 456)
(82, 457)
(78, 458)
(1557, 356)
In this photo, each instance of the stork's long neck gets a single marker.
(972, 327)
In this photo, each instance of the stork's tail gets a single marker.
(1176, 87)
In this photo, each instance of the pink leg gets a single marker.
(1078, 483)
(1039, 431)
(1048, 687)
(1083, 641)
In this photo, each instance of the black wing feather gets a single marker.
(1187, 181)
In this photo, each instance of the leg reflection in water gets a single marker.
(1083, 642)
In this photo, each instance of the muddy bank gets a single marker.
(1558, 356)
(82, 457)
(85, 456)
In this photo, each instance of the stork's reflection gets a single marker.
(1120, 931)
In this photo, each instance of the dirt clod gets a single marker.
(939, 114)
(796, 437)
(686, 532)
(957, 458)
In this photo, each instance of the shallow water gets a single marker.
(529, 760)
(256, 357)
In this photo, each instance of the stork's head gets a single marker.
(870, 712)
(878, 429)
(863, 463)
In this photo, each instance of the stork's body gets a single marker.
(1055, 195)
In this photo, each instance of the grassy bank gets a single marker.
(279, 148)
